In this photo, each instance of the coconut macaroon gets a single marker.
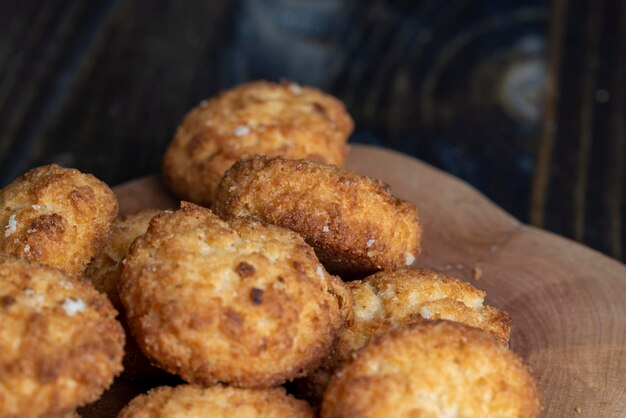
(104, 273)
(56, 216)
(216, 402)
(389, 299)
(253, 118)
(60, 345)
(354, 223)
(240, 302)
(433, 369)
(105, 269)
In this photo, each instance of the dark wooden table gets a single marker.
(522, 99)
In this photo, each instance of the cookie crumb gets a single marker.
(477, 272)
(578, 410)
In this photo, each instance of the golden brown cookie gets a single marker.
(253, 118)
(105, 269)
(56, 216)
(60, 345)
(433, 369)
(240, 302)
(354, 223)
(392, 298)
(188, 401)
(104, 272)
(389, 299)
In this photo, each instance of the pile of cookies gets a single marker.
(283, 285)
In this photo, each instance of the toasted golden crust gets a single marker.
(104, 270)
(104, 273)
(253, 118)
(60, 345)
(216, 402)
(433, 369)
(389, 299)
(354, 223)
(239, 302)
(56, 216)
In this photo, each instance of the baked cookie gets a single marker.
(105, 269)
(104, 272)
(242, 302)
(56, 216)
(433, 369)
(389, 299)
(187, 401)
(354, 223)
(253, 118)
(60, 345)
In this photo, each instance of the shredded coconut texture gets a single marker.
(11, 226)
(241, 131)
(320, 272)
(295, 88)
(426, 313)
(73, 306)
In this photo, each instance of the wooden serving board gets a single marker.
(568, 302)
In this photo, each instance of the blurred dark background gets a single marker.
(525, 100)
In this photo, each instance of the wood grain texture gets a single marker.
(567, 301)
